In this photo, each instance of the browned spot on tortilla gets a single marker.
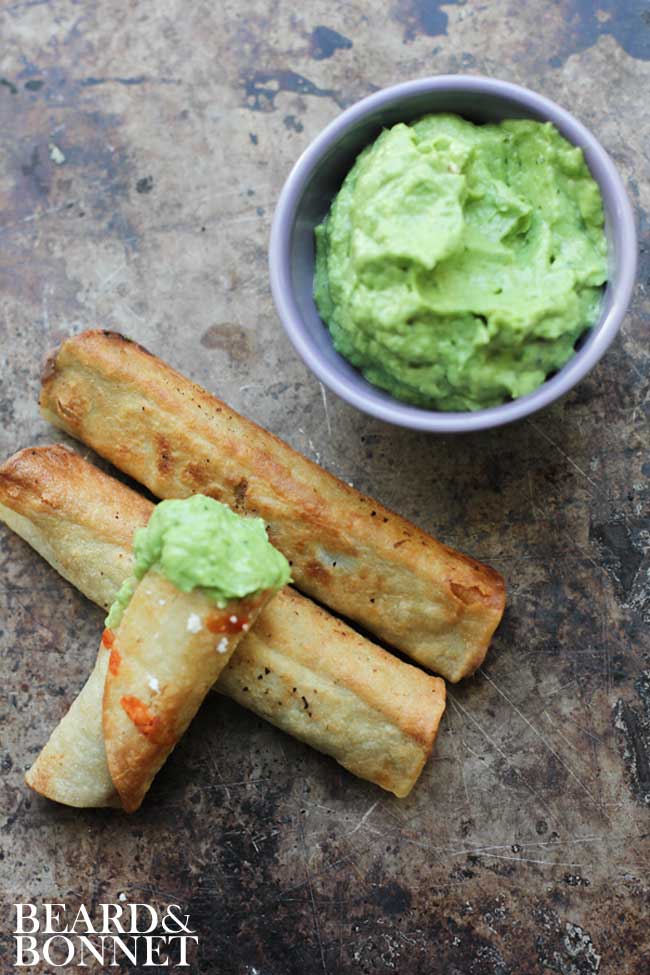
(317, 571)
(73, 408)
(467, 594)
(120, 339)
(240, 492)
(481, 569)
(213, 492)
(164, 460)
(194, 474)
(49, 366)
(39, 777)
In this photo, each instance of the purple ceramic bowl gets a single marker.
(316, 178)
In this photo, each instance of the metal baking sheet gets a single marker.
(142, 148)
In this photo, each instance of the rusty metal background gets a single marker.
(142, 147)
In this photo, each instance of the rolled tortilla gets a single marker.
(149, 680)
(346, 550)
(72, 767)
(298, 667)
(165, 655)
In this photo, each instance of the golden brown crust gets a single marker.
(347, 550)
(49, 490)
(319, 680)
(374, 714)
(336, 652)
(53, 478)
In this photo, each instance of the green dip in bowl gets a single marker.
(460, 263)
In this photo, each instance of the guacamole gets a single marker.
(199, 542)
(460, 263)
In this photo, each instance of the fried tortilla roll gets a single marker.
(168, 650)
(299, 668)
(72, 767)
(201, 576)
(346, 550)
(80, 520)
(321, 682)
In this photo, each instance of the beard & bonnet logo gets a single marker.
(50, 933)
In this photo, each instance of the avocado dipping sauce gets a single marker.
(460, 263)
(198, 542)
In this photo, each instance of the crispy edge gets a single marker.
(408, 697)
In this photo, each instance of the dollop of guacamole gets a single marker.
(200, 543)
(460, 263)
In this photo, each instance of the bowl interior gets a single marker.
(335, 161)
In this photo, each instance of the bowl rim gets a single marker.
(414, 417)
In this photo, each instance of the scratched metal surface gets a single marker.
(142, 147)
